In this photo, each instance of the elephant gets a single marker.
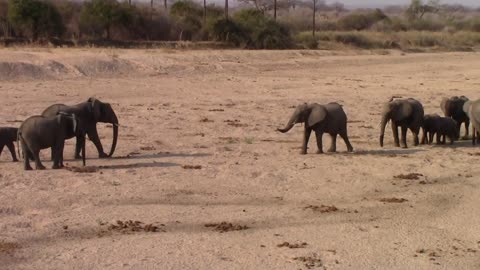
(404, 113)
(329, 118)
(430, 127)
(40, 132)
(90, 113)
(453, 107)
(441, 126)
(472, 109)
(447, 127)
(8, 135)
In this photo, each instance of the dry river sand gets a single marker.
(198, 146)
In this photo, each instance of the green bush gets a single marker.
(37, 17)
(361, 21)
(426, 25)
(262, 32)
(99, 17)
(475, 24)
(354, 39)
(228, 31)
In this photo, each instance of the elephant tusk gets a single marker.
(117, 125)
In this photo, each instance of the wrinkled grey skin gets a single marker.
(89, 113)
(39, 132)
(329, 118)
(453, 107)
(404, 113)
(8, 135)
(430, 127)
(447, 127)
(472, 109)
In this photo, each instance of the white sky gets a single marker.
(382, 3)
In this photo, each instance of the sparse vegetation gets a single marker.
(419, 25)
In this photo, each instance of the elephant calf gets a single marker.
(38, 132)
(8, 135)
(453, 107)
(441, 126)
(329, 118)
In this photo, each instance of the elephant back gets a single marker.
(336, 112)
(54, 109)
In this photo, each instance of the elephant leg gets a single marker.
(430, 137)
(395, 134)
(93, 136)
(11, 147)
(438, 137)
(78, 146)
(333, 146)
(56, 158)
(347, 142)
(60, 154)
(319, 136)
(467, 125)
(424, 137)
(415, 136)
(478, 137)
(404, 136)
(1, 148)
(26, 156)
(473, 135)
(38, 163)
(444, 139)
(306, 137)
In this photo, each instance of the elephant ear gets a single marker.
(317, 115)
(404, 110)
(96, 108)
(444, 105)
(466, 107)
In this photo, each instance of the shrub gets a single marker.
(361, 21)
(228, 31)
(37, 17)
(426, 25)
(262, 32)
(99, 17)
(354, 39)
(475, 24)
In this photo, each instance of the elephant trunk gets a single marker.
(115, 135)
(385, 120)
(289, 125)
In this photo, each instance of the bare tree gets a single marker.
(226, 9)
(204, 11)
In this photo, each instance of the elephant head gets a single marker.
(395, 110)
(310, 114)
(103, 112)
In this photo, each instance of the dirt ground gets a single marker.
(211, 183)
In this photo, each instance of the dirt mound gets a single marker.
(21, 70)
(93, 67)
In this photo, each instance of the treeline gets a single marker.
(250, 24)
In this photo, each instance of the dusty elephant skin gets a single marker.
(472, 109)
(90, 113)
(329, 118)
(406, 114)
(453, 107)
(8, 137)
(39, 132)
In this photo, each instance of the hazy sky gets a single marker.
(381, 3)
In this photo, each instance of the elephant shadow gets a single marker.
(388, 152)
(161, 155)
(140, 165)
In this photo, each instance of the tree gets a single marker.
(40, 18)
(417, 9)
(99, 16)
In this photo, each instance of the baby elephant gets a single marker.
(38, 132)
(441, 126)
(329, 118)
(8, 135)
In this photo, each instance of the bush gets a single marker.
(262, 32)
(475, 24)
(37, 17)
(99, 17)
(426, 25)
(361, 21)
(228, 31)
(354, 39)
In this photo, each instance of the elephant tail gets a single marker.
(19, 137)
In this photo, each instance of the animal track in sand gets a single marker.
(8, 247)
(297, 245)
(192, 167)
(130, 226)
(393, 200)
(410, 176)
(85, 169)
(322, 208)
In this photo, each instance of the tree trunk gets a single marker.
(165, 4)
(151, 10)
(226, 9)
(275, 10)
(313, 20)
(204, 11)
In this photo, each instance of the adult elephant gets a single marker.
(90, 113)
(453, 107)
(404, 113)
(472, 109)
(329, 118)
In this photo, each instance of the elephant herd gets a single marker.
(403, 113)
(56, 124)
(60, 122)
